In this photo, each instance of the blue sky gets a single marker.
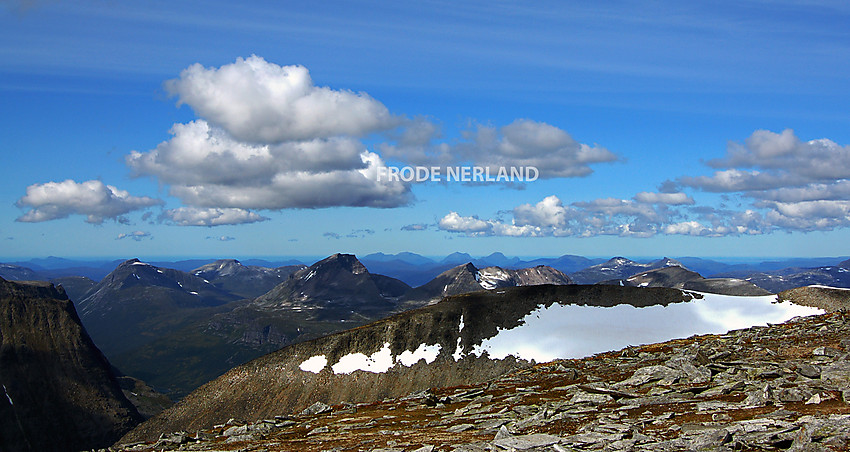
(215, 129)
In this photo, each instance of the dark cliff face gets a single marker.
(278, 383)
(59, 393)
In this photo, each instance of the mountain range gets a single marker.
(348, 335)
(177, 329)
(677, 277)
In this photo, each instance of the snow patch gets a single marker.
(570, 331)
(427, 352)
(193, 293)
(141, 263)
(458, 354)
(310, 275)
(819, 286)
(489, 278)
(314, 364)
(379, 362)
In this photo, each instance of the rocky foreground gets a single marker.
(781, 387)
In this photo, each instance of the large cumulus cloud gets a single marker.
(206, 167)
(267, 138)
(258, 101)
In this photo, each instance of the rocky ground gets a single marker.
(781, 387)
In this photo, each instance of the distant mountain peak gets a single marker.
(340, 283)
(618, 261)
(344, 261)
(457, 258)
(668, 262)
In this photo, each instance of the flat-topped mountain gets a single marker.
(619, 268)
(248, 281)
(677, 277)
(789, 278)
(59, 393)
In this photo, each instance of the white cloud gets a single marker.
(530, 143)
(93, 199)
(135, 235)
(258, 101)
(812, 192)
(453, 222)
(548, 213)
(735, 180)
(415, 227)
(685, 228)
(795, 185)
(789, 192)
(768, 160)
(208, 168)
(521, 143)
(192, 216)
(673, 199)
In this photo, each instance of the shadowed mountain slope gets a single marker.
(59, 393)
